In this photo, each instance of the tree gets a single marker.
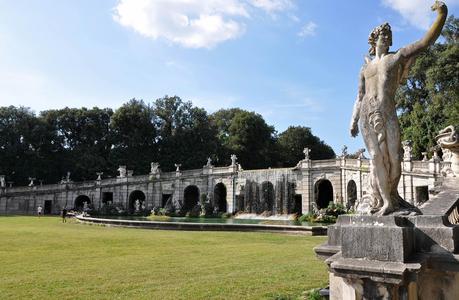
(252, 140)
(186, 135)
(428, 101)
(134, 136)
(293, 141)
(222, 119)
(82, 140)
(26, 145)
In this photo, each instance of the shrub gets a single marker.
(226, 215)
(313, 294)
(325, 215)
(309, 217)
(335, 209)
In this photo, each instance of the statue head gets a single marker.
(383, 30)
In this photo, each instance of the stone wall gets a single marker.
(290, 186)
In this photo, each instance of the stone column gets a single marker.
(306, 187)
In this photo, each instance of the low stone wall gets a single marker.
(307, 230)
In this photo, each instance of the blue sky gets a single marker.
(293, 61)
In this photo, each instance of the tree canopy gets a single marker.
(169, 131)
(295, 139)
(429, 100)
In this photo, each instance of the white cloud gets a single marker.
(294, 18)
(192, 23)
(416, 12)
(309, 29)
(272, 6)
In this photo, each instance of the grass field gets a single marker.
(44, 258)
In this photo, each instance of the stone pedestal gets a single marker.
(393, 257)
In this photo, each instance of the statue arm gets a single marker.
(431, 36)
(356, 112)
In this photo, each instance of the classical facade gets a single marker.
(310, 185)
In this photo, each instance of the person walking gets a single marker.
(64, 215)
(39, 210)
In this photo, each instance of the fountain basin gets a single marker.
(201, 226)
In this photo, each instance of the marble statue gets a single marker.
(360, 153)
(137, 205)
(154, 168)
(407, 150)
(2, 181)
(177, 167)
(424, 156)
(209, 162)
(344, 153)
(32, 181)
(123, 171)
(233, 159)
(306, 152)
(99, 176)
(380, 77)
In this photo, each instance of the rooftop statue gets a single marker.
(380, 77)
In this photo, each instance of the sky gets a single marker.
(295, 62)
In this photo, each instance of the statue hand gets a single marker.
(354, 129)
(438, 5)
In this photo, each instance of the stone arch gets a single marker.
(190, 197)
(220, 197)
(323, 193)
(79, 202)
(133, 197)
(266, 197)
(351, 193)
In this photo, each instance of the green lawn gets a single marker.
(44, 258)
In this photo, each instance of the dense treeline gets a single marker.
(429, 100)
(169, 130)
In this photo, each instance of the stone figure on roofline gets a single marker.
(380, 77)
(407, 150)
(209, 162)
(99, 176)
(344, 153)
(233, 159)
(306, 152)
(424, 156)
(123, 171)
(154, 168)
(360, 153)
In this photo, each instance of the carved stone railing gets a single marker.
(325, 163)
(420, 166)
